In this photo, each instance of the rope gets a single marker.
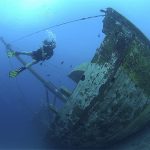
(54, 26)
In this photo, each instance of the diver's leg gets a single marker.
(14, 73)
(23, 53)
(31, 64)
(16, 53)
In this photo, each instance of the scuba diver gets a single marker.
(41, 54)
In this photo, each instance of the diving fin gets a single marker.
(14, 73)
(11, 53)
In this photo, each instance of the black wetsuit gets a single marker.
(38, 54)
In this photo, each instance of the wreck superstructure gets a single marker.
(111, 101)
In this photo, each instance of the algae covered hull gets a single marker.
(113, 98)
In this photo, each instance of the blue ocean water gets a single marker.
(22, 97)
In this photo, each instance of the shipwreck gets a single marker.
(112, 98)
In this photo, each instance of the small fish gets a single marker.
(70, 66)
(62, 62)
(98, 35)
(48, 75)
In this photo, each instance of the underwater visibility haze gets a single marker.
(24, 96)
